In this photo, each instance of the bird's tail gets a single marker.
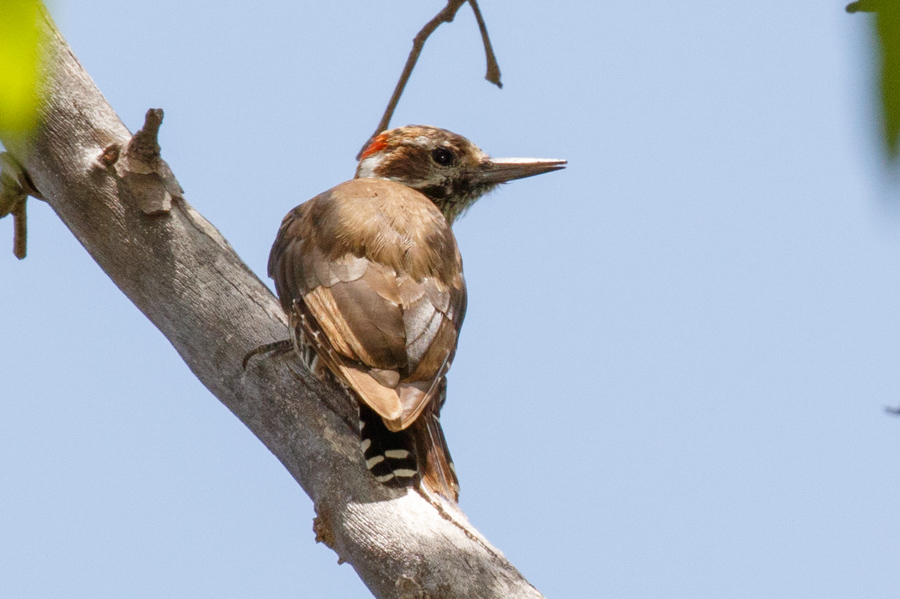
(436, 469)
(417, 454)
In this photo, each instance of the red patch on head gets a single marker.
(378, 144)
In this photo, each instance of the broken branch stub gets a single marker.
(147, 178)
(15, 187)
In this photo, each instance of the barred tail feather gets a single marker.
(390, 457)
(418, 454)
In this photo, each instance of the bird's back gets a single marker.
(384, 221)
(374, 265)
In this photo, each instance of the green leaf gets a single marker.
(20, 61)
(862, 6)
(888, 28)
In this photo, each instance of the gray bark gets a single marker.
(123, 204)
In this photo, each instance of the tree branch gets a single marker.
(126, 208)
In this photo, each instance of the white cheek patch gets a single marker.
(367, 167)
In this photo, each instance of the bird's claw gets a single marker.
(276, 348)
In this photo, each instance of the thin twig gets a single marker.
(445, 16)
(493, 69)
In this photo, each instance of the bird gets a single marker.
(371, 278)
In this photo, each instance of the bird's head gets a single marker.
(446, 167)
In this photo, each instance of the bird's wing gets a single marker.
(383, 399)
(432, 316)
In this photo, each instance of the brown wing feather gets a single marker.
(381, 398)
(362, 325)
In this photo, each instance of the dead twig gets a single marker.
(15, 187)
(493, 69)
(445, 16)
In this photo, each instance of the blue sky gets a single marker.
(672, 374)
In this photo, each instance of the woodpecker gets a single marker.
(371, 278)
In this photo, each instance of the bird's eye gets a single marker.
(442, 156)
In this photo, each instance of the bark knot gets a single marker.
(322, 526)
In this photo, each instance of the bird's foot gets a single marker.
(276, 348)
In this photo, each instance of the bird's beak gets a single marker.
(501, 170)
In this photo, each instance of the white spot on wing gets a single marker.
(404, 473)
(373, 461)
(366, 444)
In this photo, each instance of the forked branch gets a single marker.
(445, 16)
